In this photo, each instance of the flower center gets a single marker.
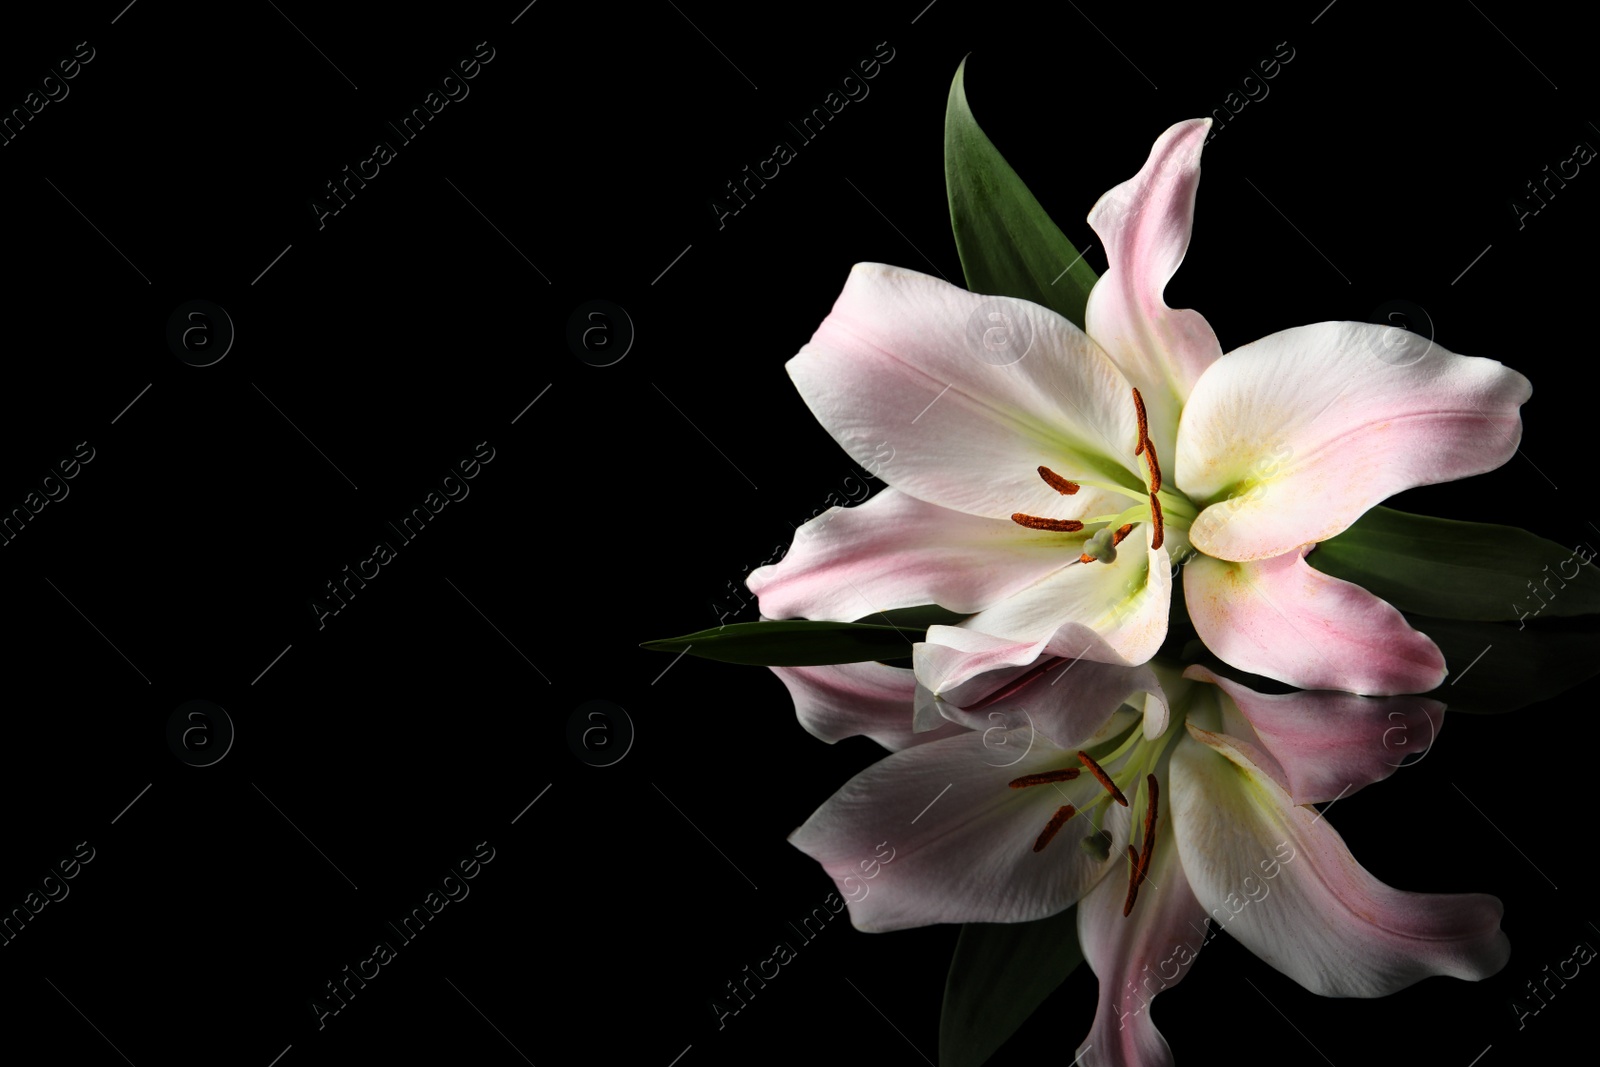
(1134, 759)
(1110, 530)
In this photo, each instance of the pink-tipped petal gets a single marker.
(1280, 618)
(1281, 882)
(1292, 438)
(858, 699)
(1330, 744)
(895, 551)
(1144, 224)
(961, 839)
(899, 374)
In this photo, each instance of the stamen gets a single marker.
(1146, 447)
(1057, 821)
(1153, 792)
(1044, 778)
(1122, 531)
(1034, 522)
(1155, 518)
(1086, 558)
(1103, 778)
(1058, 483)
(1016, 684)
(1142, 866)
(1133, 883)
(1155, 466)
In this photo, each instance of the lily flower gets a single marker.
(1025, 453)
(1154, 801)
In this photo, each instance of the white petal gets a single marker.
(899, 375)
(1292, 438)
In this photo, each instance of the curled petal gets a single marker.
(1145, 224)
(1280, 618)
(855, 699)
(1280, 880)
(1107, 612)
(1066, 700)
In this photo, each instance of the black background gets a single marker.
(429, 713)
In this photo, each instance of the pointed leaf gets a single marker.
(917, 618)
(1008, 245)
(999, 975)
(1497, 667)
(1461, 570)
(794, 643)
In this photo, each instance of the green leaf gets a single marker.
(1497, 667)
(1460, 570)
(917, 618)
(793, 643)
(1000, 974)
(1008, 245)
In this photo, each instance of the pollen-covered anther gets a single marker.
(1034, 522)
(1155, 466)
(1152, 788)
(1045, 778)
(1057, 821)
(1103, 778)
(1133, 882)
(1156, 521)
(1146, 449)
(1122, 531)
(1058, 483)
(1144, 423)
(1141, 868)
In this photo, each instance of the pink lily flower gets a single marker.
(1025, 451)
(1153, 801)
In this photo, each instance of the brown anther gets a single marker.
(1044, 778)
(1141, 867)
(1144, 423)
(1057, 821)
(1133, 883)
(1103, 778)
(1058, 483)
(1155, 518)
(1122, 531)
(1153, 793)
(1086, 558)
(1155, 466)
(1034, 522)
